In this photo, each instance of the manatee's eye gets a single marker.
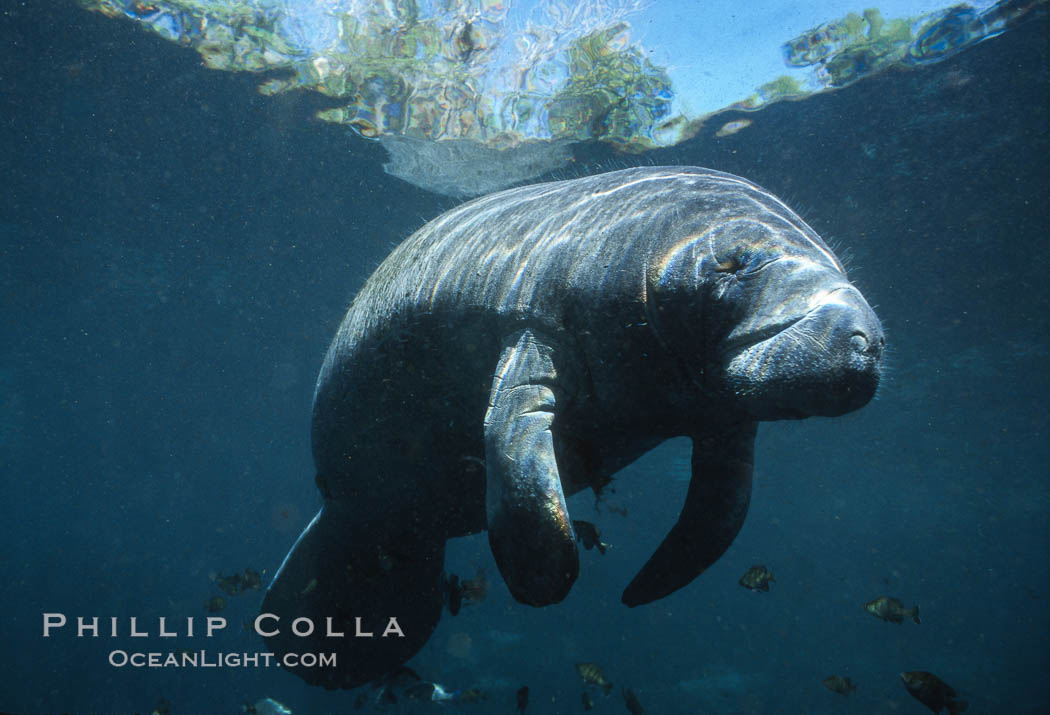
(730, 265)
(744, 262)
(736, 261)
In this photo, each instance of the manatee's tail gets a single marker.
(372, 602)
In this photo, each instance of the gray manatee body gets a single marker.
(526, 346)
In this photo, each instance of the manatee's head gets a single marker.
(766, 320)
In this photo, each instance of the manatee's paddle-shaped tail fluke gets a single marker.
(351, 580)
(714, 511)
(528, 523)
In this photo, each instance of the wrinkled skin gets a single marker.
(530, 344)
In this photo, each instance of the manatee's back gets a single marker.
(406, 379)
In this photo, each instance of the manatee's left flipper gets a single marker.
(529, 527)
(714, 511)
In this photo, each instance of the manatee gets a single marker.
(526, 346)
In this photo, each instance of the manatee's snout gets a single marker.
(826, 363)
(867, 342)
(852, 336)
(849, 326)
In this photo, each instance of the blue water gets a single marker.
(176, 251)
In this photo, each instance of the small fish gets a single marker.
(933, 692)
(232, 585)
(215, 604)
(430, 692)
(523, 698)
(458, 593)
(475, 590)
(440, 694)
(589, 535)
(757, 578)
(251, 578)
(631, 701)
(593, 675)
(163, 708)
(839, 684)
(890, 609)
(588, 701)
(310, 587)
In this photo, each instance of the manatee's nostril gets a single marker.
(859, 342)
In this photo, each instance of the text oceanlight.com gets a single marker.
(204, 659)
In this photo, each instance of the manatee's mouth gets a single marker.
(735, 346)
(757, 336)
(825, 362)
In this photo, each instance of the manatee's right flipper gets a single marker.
(343, 571)
(714, 511)
(528, 523)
